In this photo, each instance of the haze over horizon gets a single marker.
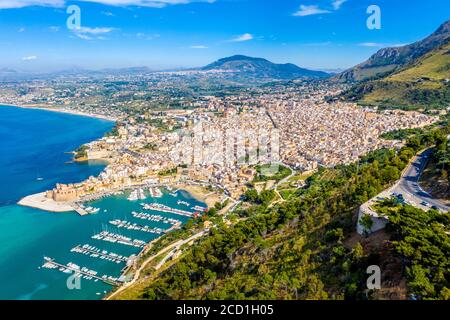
(166, 34)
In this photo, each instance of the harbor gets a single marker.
(118, 238)
(83, 272)
(125, 227)
(95, 252)
(134, 226)
(163, 208)
(155, 218)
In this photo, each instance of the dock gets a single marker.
(136, 227)
(118, 238)
(51, 263)
(97, 253)
(164, 208)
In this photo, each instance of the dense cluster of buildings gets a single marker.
(214, 139)
(315, 132)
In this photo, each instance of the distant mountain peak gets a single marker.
(263, 68)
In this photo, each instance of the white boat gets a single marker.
(92, 210)
(133, 196)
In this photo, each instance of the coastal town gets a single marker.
(218, 141)
(195, 151)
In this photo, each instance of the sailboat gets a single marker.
(38, 177)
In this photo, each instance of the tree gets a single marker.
(367, 223)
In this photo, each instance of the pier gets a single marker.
(52, 264)
(134, 226)
(164, 208)
(154, 217)
(96, 253)
(117, 238)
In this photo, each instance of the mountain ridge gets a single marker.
(413, 77)
(261, 67)
(389, 60)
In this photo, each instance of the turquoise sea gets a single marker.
(33, 146)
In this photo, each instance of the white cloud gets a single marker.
(29, 58)
(143, 36)
(89, 30)
(243, 37)
(87, 33)
(309, 11)
(198, 47)
(399, 44)
(337, 4)
(314, 9)
(21, 30)
(146, 3)
(377, 44)
(371, 44)
(10, 4)
(83, 36)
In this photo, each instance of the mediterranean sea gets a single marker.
(34, 148)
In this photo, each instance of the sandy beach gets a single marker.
(63, 110)
(201, 193)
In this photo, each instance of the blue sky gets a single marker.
(317, 34)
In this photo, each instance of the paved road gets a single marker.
(409, 187)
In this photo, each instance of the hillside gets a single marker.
(262, 68)
(422, 84)
(435, 178)
(389, 60)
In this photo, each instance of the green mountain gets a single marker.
(262, 68)
(416, 77)
(389, 60)
(422, 85)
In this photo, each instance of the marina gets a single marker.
(155, 218)
(119, 244)
(83, 272)
(95, 252)
(155, 192)
(137, 194)
(134, 226)
(164, 208)
(181, 202)
(68, 237)
(118, 238)
(199, 208)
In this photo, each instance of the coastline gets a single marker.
(200, 193)
(63, 110)
(41, 202)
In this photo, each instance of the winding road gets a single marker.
(409, 187)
